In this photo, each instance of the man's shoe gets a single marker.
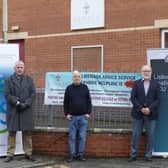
(8, 159)
(71, 159)
(81, 158)
(148, 159)
(132, 159)
(30, 157)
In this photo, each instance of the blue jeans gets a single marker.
(136, 135)
(77, 123)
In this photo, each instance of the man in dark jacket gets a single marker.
(145, 97)
(20, 94)
(77, 109)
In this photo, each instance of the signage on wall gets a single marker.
(106, 89)
(158, 59)
(9, 54)
(87, 14)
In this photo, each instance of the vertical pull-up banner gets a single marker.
(9, 54)
(158, 59)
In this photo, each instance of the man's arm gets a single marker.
(66, 102)
(89, 102)
(8, 95)
(28, 102)
(134, 99)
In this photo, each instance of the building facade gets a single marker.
(43, 28)
(48, 43)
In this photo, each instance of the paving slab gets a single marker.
(45, 161)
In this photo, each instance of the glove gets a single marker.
(20, 107)
(23, 106)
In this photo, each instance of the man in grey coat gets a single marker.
(20, 94)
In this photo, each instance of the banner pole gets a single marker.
(5, 20)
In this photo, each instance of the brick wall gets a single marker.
(120, 49)
(54, 53)
(53, 16)
(97, 144)
(40, 17)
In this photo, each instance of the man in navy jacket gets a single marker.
(145, 97)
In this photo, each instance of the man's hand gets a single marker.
(69, 117)
(145, 110)
(87, 116)
(21, 106)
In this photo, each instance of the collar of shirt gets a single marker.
(144, 80)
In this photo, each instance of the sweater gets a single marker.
(77, 100)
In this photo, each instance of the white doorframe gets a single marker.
(163, 32)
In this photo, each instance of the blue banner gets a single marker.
(3, 75)
(9, 54)
(158, 59)
(107, 89)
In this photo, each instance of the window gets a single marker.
(164, 41)
(87, 58)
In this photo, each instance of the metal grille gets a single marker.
(102, 117)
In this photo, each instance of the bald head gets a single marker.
(146, 67)
(146, 71)
(76, 77)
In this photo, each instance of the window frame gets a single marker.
(88, 46)
(163, 32)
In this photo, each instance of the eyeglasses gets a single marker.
(146, 71)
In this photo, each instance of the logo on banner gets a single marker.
(58, 77)
(86, 8)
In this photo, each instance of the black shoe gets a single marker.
(81, 158)
(30, 157)
(8, 159)
(148, 159)
(71, 159)
(132, 159)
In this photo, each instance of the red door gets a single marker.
(21, 48)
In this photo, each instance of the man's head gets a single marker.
(76, 77)
(19, 68)
(146, 71)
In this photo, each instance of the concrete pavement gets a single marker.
(43, 161)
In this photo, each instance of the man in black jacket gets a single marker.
(77, 109)
(145, 97)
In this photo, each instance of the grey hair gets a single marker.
(19, 62)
